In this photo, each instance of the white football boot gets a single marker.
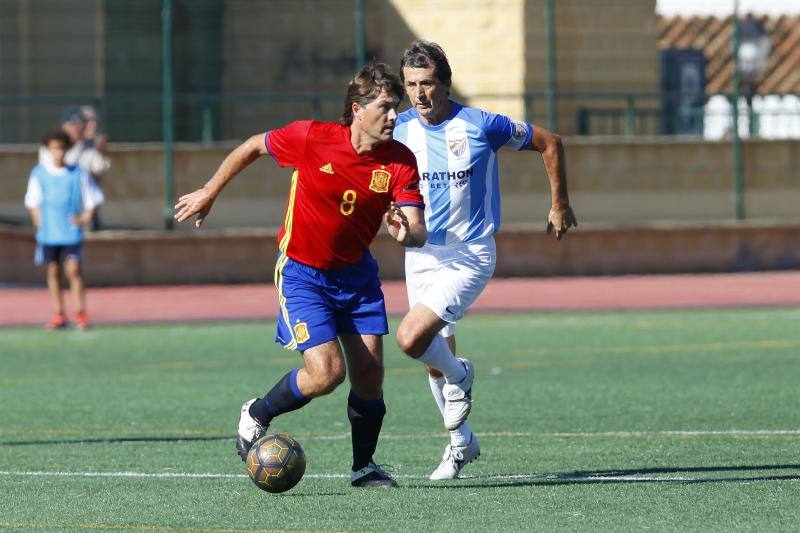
(455, 458)
(458, 398)
(250, 430)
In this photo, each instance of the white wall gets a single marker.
(778, 117)
(669, 8)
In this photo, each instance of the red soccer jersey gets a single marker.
(337, 198)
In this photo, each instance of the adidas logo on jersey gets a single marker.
(328, 169)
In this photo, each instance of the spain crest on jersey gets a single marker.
(301, 332)
(380, 180)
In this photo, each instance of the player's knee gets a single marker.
(337, 377)
(329, 377)
(408, 341)
(72, 270)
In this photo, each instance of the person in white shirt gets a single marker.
(456, 149)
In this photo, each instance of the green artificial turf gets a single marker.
(593, 421)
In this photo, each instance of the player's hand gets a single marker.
(198, 202)
(80, 220)
(560, 219)
(396, 223)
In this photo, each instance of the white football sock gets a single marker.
(439, 356)
(462, 435)
(436, 389)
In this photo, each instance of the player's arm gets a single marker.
(84, 218)
(406, 224)
(33, 196)
(36, 217)
(91, 197)
(200, 201)
(95, 162)
(560, 218)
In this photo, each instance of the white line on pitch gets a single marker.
(544, 477)
(120, 474)
(677, 433)
(211, 475)
(687, 433)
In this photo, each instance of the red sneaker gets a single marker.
(58, 321)
(82, 321)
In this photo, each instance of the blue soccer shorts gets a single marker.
(318, 305)
(57, 253)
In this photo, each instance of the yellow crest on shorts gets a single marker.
(380, 180)
(301, 332)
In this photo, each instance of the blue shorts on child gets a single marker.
(318, 305)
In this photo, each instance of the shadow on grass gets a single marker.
(543, 479)
(633, 476)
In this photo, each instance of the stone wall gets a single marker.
(248, 256)
(46, 48)
(310, 48)
(601, 46)
(484, 41)
(620, 182)
(302, 48)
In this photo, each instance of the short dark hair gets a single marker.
(425, 54)
(56, 134)
(367, 86)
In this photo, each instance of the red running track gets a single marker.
(196, 303)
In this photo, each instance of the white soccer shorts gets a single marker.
(447, 279)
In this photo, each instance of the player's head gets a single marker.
(425, 54)
(427, 78)
(371, 101)
(57, 143)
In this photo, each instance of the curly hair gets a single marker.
(56, 134)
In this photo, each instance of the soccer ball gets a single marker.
(276, 463)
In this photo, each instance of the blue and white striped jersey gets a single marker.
(457, 163)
